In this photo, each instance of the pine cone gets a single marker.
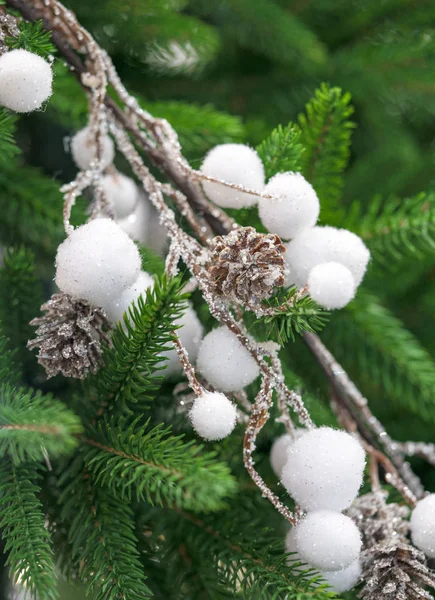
(69, 336)
(245, 266)
(8, 28)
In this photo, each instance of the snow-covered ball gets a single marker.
(331, 285)
(190, 335)
(84, 149)
(324, 469)
(423, 525)
(224, 362)
(328, 540)
(319, 245)
(344, 580)
(121, 192)
(213, 416)
(278, 452)
(25, 80)
(137, 224)
(97, 262)
(116, 307)
(233, 163)
(294, 207)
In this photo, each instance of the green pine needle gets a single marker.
(8, 147)
(282, 150)
(34, 38)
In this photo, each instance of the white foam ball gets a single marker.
(234, 163)
(423, 525)
(97, 262)
(116, 307)
(25, 80)
(319, 245)
(294, 206)
(278, 452)
(84, 149)
(324, 469)
(224, 362)
(344, 580)
(328, 540)
(213, 416)
(190, 335)
(121, 192)
(331, 285)
(136, 225)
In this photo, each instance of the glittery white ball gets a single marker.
(324, 469)
(295, 205)
(291, 546)
(84, 150)
(344, 580)
(121, 192)
(328, 540)
(331, 285)
(320, 245)
(278, 452)
(423, 525)
(233, 163)
(224, 362)
(190, 334)
(213, 416)
(136, 225)
(116, 307)
(97, 262)
(25, 81)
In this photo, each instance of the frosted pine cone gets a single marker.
(245, 266)
(69, 336)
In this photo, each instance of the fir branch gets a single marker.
(33, 425)
(101, 534)
(157, 466)
(8, 147)
(23, 530)
(34, 38)
(130, 374)
(20, 304)
(282, 150)
(385, 355)
(326, 132)
(8, 369)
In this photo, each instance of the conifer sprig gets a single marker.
(282, 150)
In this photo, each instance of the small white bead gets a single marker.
(331, 285)
(328, 540)
(344, 580)
(121, 192)
(190, 335)
(278, 452)
(295, 205)
(224, 362)
(136, 225)
(25, 80)
(324, 469)
(116, 308)
(423, 525)
(213, 416)
(233, 163)
(97, 262)
(84, 150)
(320, 245)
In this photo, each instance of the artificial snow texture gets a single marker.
(331, 285)
(328, 540)
(324, 469)
(116, 308)
(84, 149)
(25, 81)
(224, 362)
(97, 262)
(233, 163)
(423, 525)
(190, 335)
(294, 207)
(213, 416)
(278, 452)
(344, 580)
(137, 224)
(121, 192)
(320, 245)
